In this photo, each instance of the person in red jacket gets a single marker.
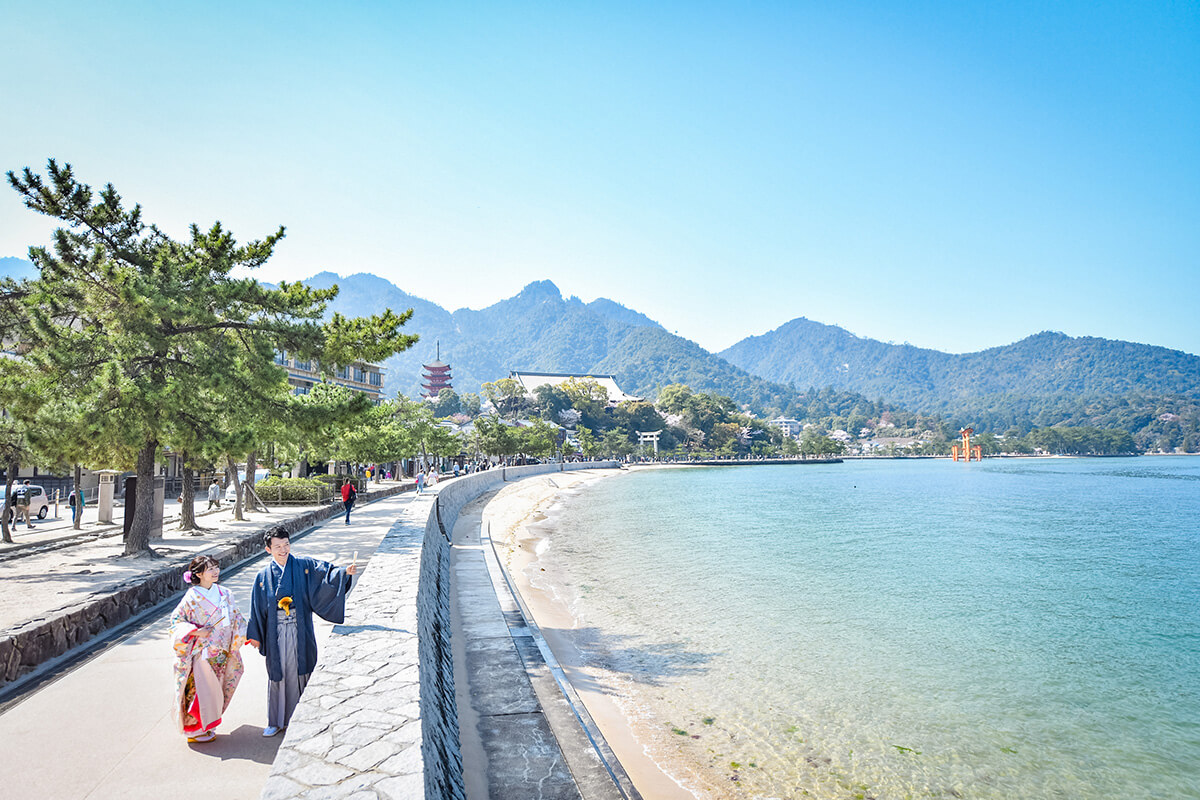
(349, 495)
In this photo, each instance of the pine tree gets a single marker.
(140, 330)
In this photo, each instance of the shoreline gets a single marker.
(516, 518)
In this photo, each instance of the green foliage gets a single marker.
(470, 404)
(538, 439)
(550, 401)
(494, 438)
(149, 341)
(589, 398)
(447, 403)
(307, 491)
(507, 396)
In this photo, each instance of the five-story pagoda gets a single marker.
(436, 375)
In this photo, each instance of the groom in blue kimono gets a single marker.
(287, 592)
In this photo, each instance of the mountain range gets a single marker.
(1047, 378)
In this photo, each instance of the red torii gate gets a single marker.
(967, 450)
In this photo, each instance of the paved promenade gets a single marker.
(104, 729)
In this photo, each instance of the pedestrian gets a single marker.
(349, 495)
(298, 587)
(456, 469)
(21, 497)
(76, 501)
(208, 631)
(214, 495)
(420, 481)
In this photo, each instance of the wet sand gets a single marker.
(658, 766)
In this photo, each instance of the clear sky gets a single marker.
(955, 175)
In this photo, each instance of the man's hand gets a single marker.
(352, 569)
(254, 643)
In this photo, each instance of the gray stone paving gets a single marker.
(379, 719)
(357, 732)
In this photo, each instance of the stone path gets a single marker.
(104, 729)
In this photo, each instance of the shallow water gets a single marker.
(893, 629)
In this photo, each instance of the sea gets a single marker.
(1013, 628)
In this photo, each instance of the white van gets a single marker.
(39, 502)
(260, 475)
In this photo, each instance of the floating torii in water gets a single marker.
(967, 450)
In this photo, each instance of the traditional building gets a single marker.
(436, 376)
(531, 380)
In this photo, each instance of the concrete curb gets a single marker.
(42, 639)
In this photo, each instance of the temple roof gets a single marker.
(531, 380)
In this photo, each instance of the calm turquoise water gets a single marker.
(889, 629)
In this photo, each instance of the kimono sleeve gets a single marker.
(327, 589)
(256, 627)
(182, 628)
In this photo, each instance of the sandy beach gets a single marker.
(520, 521)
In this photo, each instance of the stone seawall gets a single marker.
(379, 717)
(35, 642)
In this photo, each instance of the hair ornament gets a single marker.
(187, 576)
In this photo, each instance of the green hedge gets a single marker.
(287, 491)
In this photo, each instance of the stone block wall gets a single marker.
(439, 715)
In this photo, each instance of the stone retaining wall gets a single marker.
(39, 640)
(379, 717)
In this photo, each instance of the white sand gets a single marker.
(658, 766)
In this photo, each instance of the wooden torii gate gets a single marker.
(967, 450)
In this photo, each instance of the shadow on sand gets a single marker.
(622, 658)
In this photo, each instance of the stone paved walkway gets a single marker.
(104, 729)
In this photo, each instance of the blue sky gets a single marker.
(954, 175)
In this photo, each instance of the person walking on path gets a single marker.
(287, 592)
(76, 502)
(349, 495)
(420, 481)
(208, 631)
(214, 494)
(21, 501)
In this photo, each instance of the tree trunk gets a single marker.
(237, 487)
(5, 530)
(187, 506)
(251, 466)
(138, 540)
(77, 512)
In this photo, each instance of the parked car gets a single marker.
(39, 503)
(260, 475)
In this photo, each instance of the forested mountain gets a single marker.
(805, 353)
(539, 330)
(1045, 380)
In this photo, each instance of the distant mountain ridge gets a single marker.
(806, 354)
(1045, 379)
(539, 330)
